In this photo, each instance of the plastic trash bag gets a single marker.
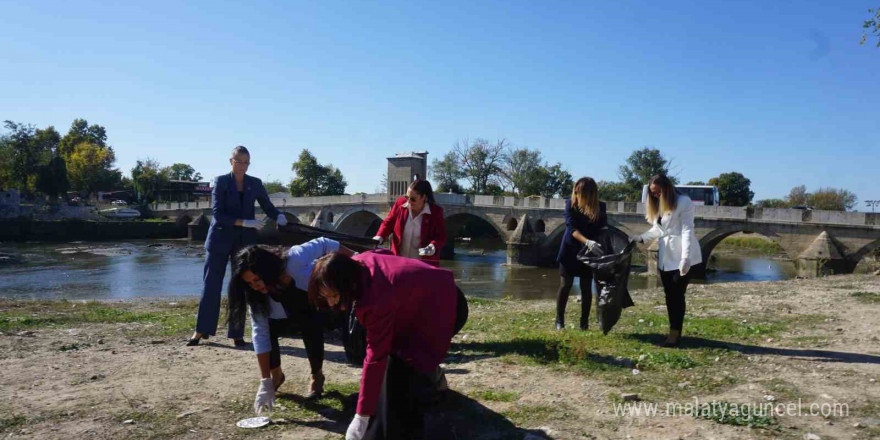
(611, 268)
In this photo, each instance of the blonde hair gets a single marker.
(667, 201)
(585, 197)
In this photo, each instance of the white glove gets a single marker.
(636, 238)
(281, 220)
(592, 244)
(253, 224)
(428, 250)
(265, 396)
(684, 267)
(357, 428)
(378, 240)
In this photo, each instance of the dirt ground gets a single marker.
(112, 381)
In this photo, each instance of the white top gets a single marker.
(300, 262)
(677, 239)
(412, 232)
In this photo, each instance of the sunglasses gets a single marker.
(240, 162)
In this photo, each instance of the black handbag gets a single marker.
(354, 340)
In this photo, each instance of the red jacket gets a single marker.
(433, 229)
(408, 309)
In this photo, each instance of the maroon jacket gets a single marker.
(408, 309)
(433, 229)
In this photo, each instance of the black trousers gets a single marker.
(310, 326)
(566, 280)
(405, 395)
(674, 286)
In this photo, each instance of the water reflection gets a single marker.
(152, 268)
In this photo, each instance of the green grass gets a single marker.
(165, 319)
(867, 297)
(491, 395)
(10, 423)
(728, 413)
(754, 243)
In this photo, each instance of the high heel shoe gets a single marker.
(192, 342)
(316, 387)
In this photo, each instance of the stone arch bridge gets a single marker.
(820, 242)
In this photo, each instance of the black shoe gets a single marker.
(239, 343)
(192, 342)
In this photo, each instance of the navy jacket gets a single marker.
(227, 207)
(575, 220)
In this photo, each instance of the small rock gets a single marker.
(769, 339)
(630, 397)
(128, 422)
(184, 414)
(641, 321)
(872, 380)
(642, 357)
(636, 371)
(100, 341)
(769, 398)
(717, 359)
(683, 384)
(829, 423)
(811, 436)
(826, 396)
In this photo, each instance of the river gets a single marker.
(160, 268)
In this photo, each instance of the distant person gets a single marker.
(410, 311)
(273, 283)
(672, 221)
(584, 217)
(233, 226)
(417, 224)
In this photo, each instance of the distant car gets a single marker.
(119, 203)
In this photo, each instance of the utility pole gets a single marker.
(872, 204)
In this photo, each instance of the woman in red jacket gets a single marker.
(410, 311)
(417, 223)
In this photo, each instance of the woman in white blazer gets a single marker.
(672, 221)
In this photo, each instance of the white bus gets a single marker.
(699, 194)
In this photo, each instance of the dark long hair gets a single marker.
(340, 273)
(268, 263)
(423, 187)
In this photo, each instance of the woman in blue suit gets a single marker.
(233, 226)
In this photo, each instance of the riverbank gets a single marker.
(22, 230)
(119, 370)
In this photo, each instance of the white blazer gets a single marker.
(677, 239)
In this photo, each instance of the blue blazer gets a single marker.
(575, 220)
(227, 207)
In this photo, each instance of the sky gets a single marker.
(779, 91)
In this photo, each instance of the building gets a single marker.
(184, 191)
(403, 169)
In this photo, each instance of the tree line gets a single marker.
(42, 161)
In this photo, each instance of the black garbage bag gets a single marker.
(610, 263)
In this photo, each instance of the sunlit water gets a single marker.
(152, 268)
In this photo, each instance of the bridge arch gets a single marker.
(455, 221)
(358, 222)
(857, 257)
(709, 241)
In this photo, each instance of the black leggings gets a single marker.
(402, 402)
(674, 286)
(566, 280)
(312, 328)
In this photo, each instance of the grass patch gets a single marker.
(10, 423)
(168, 319)
(494, 395)
(531, 415)
(867, 297)
(768, 247)
(728, 413)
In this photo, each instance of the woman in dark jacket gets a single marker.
(584, 217)
(233, 226)
(417, 224)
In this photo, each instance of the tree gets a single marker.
(52, 178)
(480, 162)
(832, 199)
(556, 182)
(89, 167)
(182, 171)
(640, 167)
(446, 172)
(612, 191)
(80, 131)
(798, 196)
(771, 203)
(696, 183)
(872, 26)
(314, 179)
(147, 177)
(521, 172)
(274, 186)
(733, 189)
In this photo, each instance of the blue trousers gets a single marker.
(209, 305)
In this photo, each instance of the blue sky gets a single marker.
(780, 91)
